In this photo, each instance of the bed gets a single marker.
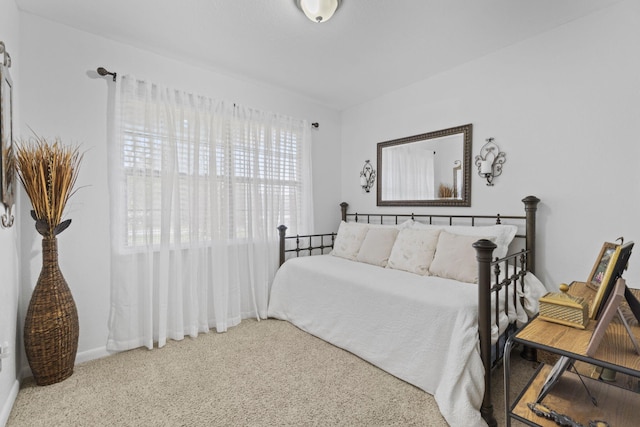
(430, 325)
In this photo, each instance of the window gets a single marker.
(197, 173)
(198, 188)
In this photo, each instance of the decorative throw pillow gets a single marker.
(405, 224)
(502, 235)
(455, 257)
(349, 239)
(377, 246)
(413, 250)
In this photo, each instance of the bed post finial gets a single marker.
(484, 251)
(343, 208)
(530, 208)
(283, 231)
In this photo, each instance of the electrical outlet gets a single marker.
(4, 352)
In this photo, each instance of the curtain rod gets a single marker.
(103, 72)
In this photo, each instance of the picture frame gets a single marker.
(7, 155)
(615, 267)
(561, 365)
(599, 268)
(609, 310)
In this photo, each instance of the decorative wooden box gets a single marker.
(564, 309)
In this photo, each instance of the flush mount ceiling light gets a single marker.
(318, 10)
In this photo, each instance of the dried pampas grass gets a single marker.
(48, 172)
(445, 192)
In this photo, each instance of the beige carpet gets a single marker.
(266, 373)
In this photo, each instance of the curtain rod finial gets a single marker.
(103, 72)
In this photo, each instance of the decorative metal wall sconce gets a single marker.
(367, 176)
(490, 161)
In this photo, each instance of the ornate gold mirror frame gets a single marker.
(417, 170)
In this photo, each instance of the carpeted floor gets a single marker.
(266, 373)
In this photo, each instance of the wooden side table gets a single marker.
(617, 403)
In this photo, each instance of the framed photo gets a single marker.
(563, 363)
(615, 267)
(7, 159)
(600, 267)
(610, 308)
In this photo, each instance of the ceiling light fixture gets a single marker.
(318, 10)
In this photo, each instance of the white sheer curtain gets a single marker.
(197, 189)
(408, 173)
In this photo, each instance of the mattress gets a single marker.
(421, 329)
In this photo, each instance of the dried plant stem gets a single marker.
(48, 172)
(445, 191)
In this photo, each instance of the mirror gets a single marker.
(431, 169)
(7, 162)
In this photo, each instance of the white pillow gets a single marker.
(377, 245)
(502, 235)
(455, 257)
(349, 239)
(413, 250)
(406, 224)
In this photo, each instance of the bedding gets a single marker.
(426, 316)
(377, 245)
(413, 250)
(421, 329)
(455, 257)
(502, 235)
(349, 240)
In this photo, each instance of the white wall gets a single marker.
(62, 95)
(563, 106)
(10, 237)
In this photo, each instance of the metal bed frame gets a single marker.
(493, 274)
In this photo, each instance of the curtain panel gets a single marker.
(408, 173)
(197, 190)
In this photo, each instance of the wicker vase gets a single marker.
(51, 326)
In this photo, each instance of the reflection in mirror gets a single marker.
(431, 169)
(457, 179)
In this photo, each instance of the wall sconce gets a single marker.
(367, 176)
(489, 161)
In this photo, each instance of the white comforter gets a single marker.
(421, 329)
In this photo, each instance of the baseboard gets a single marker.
(84, 356)
(96, 353)
(8, 405)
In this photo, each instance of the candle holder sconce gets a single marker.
(367, 176)
(490, 161)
